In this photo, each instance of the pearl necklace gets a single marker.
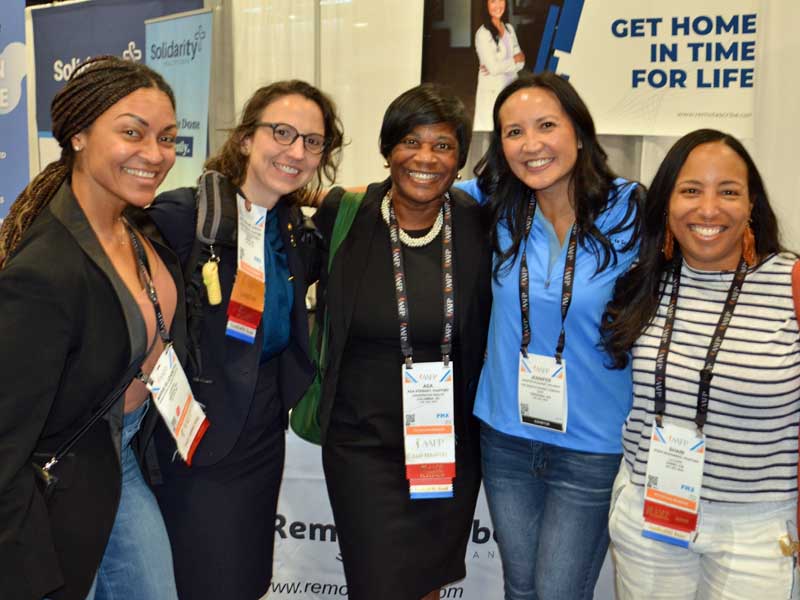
(407, 240)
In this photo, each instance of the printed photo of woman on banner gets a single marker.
(478, 47)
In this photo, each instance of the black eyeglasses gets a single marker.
(286, 135)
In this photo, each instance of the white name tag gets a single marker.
(673, 482)
(542, 392)
(429, 429)
(173, 397)
(250, 238)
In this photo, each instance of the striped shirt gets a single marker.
(751, 432)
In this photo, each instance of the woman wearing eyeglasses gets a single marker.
(249, 349)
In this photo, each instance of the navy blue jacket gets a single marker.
(231, 367)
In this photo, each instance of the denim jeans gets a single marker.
(549, 506)
(735, 555)
(137, 563)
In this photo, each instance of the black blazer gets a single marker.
(230, 366)
(472, 273)
(70, 329)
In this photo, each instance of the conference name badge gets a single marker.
(673, 482)
(542, 392)
(175, 401)
(247, 298)
(429, 429)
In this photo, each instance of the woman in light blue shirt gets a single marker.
(565, 227)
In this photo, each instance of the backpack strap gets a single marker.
(216, 226)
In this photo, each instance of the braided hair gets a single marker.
(96, 85)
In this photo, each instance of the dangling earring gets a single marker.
(669, 244)
(458, 176)
(749, 246)
(386, 164)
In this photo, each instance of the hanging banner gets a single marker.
(643, 67)
(13, 101)
(98, 27)
(656, 68)
(179, 47)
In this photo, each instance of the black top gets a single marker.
(368, 410)
(368, 242)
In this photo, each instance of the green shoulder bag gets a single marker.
(304, 417)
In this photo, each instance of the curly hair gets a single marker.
(233, 164)
(95, 86)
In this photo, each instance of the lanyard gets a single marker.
(704, 390)
(448, 301)
(150, 288)
(524, 284)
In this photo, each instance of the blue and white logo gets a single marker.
(184, 146)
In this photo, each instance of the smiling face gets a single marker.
(710, 206)
(128, 150)
(424, 164)
(274, 170)
(539, 142)
(496, 8)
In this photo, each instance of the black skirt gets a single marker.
(395, 548)
(221, 518)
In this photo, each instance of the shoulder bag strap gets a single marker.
(345, 215)
(796, 299)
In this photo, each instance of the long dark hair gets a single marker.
(233, 164)
(96, 85)
(592, 180)
(487, 21)
(637, 293)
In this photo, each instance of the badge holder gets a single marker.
(246, 304)
(673, 482)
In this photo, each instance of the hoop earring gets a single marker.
(749, 246)
(669, 244)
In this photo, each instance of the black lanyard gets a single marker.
(448, 298)
(150, 288)
(524, 284)
(704, 389)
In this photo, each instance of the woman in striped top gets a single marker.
(707, 318)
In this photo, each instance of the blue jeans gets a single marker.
(137, 563)
(549, 506)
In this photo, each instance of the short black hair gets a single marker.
(426, 104)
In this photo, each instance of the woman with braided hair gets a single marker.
(87, 300)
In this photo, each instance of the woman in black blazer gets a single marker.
(393, 546)
(220, 513)
(77, 324)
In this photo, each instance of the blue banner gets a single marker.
(13, 104)
(179, 47)
(65, 36)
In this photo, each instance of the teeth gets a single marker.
(422, 176)
(139, 172)
(539, 162)
(707, 230)
(287, 169)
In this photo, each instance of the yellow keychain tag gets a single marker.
(210, 274)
